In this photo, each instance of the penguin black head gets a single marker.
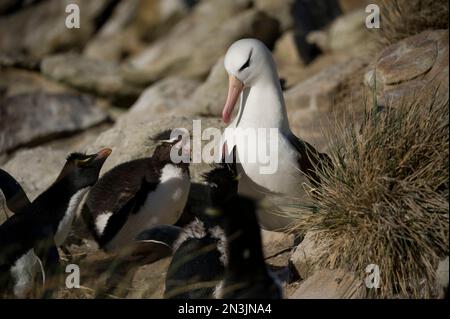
(82, 170)
(173, 151)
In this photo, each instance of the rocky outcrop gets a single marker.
(31, 118)
(35, 169)
(210, 96)
(200, 39)
(40, 29)
(16, 81)
(412, 68)
(167, 96)
(319, 91)
(346, 33)
(305, 256)
(330, 284)
(90, 75)
(131, 23)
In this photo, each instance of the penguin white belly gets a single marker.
(23, 273)
(66, 222)
(164, 205)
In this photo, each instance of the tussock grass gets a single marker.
(403, 18)
(386, 199)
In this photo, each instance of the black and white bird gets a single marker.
(15, 197)
(136, 195)
(246, 274)
(31, 236)
(220, 253)
(253, 77)
(199, 250)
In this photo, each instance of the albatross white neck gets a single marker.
(262, 105)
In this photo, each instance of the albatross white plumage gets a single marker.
(253, 77)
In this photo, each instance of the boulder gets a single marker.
(40, 29)
(347, 33)
(32, 118)
(133, 21)
(304, 257)
(330, 284)
(212, 27)
(275, 242)
(166, 96)
(410, 69)
(17, 81)
(209, 98)
(319, 91)
(35, 169)
(277, 247)
(90, 75)
(285, 51)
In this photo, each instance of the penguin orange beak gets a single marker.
(235, 88)
(103, 154)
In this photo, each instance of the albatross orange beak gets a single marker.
(235, 87)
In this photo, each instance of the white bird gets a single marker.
(253, 77)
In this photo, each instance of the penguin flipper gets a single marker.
(48, 255)
(15, 196)
(161, 234)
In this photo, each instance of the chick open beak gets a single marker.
(235, 88)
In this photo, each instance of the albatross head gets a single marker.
(247, 62)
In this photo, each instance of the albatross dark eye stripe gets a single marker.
(246, 64)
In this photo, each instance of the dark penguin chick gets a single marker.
(199, 257)
(136, 195)
(31, 236)
(246, 274)
(15, 196)
(198, 260)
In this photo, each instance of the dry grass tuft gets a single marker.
(386, 200)
(403, 18)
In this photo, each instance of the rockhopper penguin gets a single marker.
(199, 253)
(136, 195)
(42, 225)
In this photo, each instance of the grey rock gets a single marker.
(100, 77)
(347, 33)
(319, 91)
(164, 97)
(330, 284)
(17, 81)
(209, 98)
(413, 68)
(304, 257)
(40, 29)
(33, 118)
(212, 27)
(35, 169)
(131, 23)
